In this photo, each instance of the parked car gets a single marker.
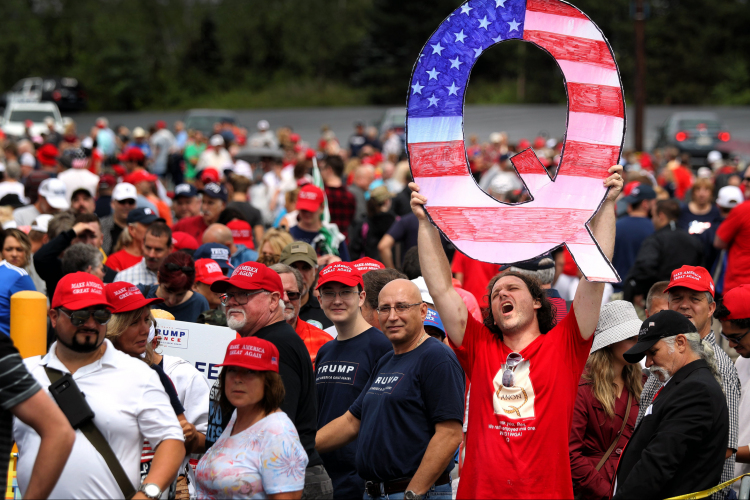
(18, 113)
(393, 118)
(66, 92)
(695, 133)
(204, 119)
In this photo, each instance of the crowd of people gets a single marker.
(372, 360)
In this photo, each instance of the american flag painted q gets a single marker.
(478, 225)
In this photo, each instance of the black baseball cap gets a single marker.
(544, 262)
(144, 215)
(185, 190)
(214, 190)
(639, 193)
(659, 326)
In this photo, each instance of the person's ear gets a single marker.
(362, 297)
(423, 311)
(711, 309)
(537, 304)
(52, 313)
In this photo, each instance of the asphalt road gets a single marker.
(520, 121)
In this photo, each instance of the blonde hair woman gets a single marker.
(271, 246)
(606, 408)
(17, 248)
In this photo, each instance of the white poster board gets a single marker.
(203, 346)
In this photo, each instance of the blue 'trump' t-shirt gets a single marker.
(12, 279)
(342, 369)
(631, 231)
(407, 394)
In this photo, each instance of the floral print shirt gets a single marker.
(266, 458)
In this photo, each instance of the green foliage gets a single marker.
(135, 54)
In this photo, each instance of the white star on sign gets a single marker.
(460, 36)
(437, 49)
(513, 25)
(453, 89)
(500, 3)
(421, 56)
(433, 74)
(455, 63)
(483, 23)
(477, 52)
(465, 9)
(498, 38)
(433, 101)
(417, 88)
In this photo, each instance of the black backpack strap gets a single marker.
(99, 442)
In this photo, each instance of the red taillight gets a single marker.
(724, 136)
(56, 95)
(681, 136)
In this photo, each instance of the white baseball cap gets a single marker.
(263, 125)
(55, 192)
(729, 197)
(124, 191)
(41, 223)
(714, 156)
(216, 140)
(423, 291)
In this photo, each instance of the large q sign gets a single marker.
(478, 225)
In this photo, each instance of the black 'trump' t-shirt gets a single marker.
(342, 368)
(407, 394)
(299, 403)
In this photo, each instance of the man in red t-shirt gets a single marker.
(473, 275)
(524, 372)
(734, 234)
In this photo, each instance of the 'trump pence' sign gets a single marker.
(203, 346)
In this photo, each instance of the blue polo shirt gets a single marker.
(12, 279)
(407, 394)
(631, 231)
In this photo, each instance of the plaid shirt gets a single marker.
(731, 384)
(341, 205)
(139, 274)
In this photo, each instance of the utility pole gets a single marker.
(640, 72)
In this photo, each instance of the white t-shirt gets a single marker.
(743, 438)
(192, 389)
(129, 403)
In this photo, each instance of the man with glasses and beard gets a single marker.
(408, 416)
(313, 337)
(126, 396)
(524, 372)
(253, 299)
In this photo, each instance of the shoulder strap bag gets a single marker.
(617, 437)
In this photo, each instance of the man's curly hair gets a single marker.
(545, 315)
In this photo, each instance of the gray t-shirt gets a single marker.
(24, 216)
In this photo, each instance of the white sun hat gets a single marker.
(617, 321)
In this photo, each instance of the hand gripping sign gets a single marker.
(478, 225)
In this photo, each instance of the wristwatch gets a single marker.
(151, 490)
(410, 495)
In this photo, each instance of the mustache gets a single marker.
(87, 330)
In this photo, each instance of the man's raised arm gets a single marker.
(436, 271)
(588, 299)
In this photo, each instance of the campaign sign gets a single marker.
(204, 346)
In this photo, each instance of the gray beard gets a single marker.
(658, 370)
(236, 324)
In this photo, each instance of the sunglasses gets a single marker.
(78, 318)
(513, 360)
(129, 201)
(293, 296)
(735, 339)
(745, 179)
(174, 268)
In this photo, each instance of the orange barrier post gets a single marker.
(28, 323)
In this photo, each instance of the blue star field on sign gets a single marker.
(449, 55)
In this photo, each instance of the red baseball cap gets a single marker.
(242, 233)
(367, 264)
(132, 154)
(126, 297)
(47, 154)
(181, 240)
(160, 124)
(310, 198)
(629, 187)
(251, 276)
(694, 278)
(78, 291)
(210, 175)
(252, 353)
(340, 272)
(140, 176)
(737, 301)
(208, 271)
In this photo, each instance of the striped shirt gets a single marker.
(730, 382)
(16, 386)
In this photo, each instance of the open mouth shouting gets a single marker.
(506, 307)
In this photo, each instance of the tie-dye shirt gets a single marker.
(266, 458)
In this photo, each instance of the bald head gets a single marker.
(401, 314)
(218, 233)
(402, 288)
(363, 176)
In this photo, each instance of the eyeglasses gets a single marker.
(399, 308)
(733, 338)
(745, 179)
(344, 294)
(78, 318)
(174, 268)
(241, 298)
(293, 296)
(129, 201)
(513, 360)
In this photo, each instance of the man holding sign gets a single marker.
(524, 372)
